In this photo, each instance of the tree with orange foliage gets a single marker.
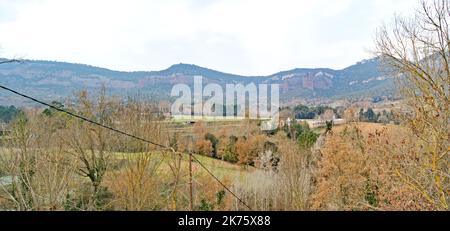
(199, 130)
(249, 148)
(203, 147)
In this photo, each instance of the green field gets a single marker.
(219, 168)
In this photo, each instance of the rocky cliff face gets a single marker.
(56, 80)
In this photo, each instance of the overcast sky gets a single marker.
(249, 37)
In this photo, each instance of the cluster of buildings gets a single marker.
(321, 121)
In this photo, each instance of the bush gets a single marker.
(205, 205)
(230, 157)
(214, 143)
(203, 147)
(229, 152)
(8, 114)
(249, 148)
(329, 127)
(307, 139)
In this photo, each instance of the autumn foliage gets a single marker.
(363, 166)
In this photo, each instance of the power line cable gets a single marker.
(81, 117)
(126, 134)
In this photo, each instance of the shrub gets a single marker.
(307, 139)
(249, 148)
(214, 143)
(203, 147)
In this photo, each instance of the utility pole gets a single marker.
(191, 198)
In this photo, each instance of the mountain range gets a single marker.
(48, 80)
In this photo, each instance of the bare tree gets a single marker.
(416, 50)
(91, 144)
(34, 160)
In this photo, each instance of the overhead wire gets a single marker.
(126, 134)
